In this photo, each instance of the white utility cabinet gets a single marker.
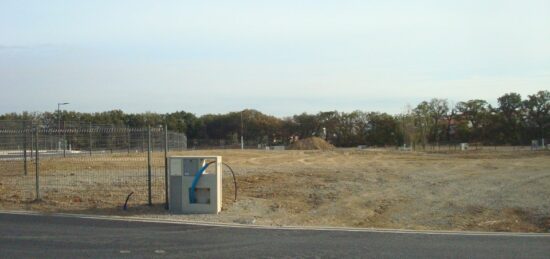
(206, 196)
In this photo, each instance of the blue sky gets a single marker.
(279, 57)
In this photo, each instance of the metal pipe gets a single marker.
(128, 138)
(25, 149)
(166, 205)
(37, 166)
(90, 138)
(150, 201)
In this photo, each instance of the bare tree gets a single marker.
(423, 122)
(450, 117)
(438, 108)
(538, 110)
(475, 112)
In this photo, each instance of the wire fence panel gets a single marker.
(85, 167)
(17, 165)
(102, 179)
(223, 144)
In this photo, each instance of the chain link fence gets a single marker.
(469, 146)
(89, 166)
(224, 144)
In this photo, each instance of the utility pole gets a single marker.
(59, 124)
(242, 127)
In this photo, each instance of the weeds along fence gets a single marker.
(85, 167)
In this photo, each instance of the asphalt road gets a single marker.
(39, 236)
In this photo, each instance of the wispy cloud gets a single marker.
(23, 47)
(8, 47)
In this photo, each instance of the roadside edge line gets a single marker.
(248, 226)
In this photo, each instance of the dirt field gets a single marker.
(473, 190)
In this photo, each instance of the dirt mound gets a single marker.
(313, 143)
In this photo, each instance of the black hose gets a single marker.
(126, 202)
(234, 179)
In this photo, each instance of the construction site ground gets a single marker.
(477, 190)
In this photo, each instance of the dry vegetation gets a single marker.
(473, 190)
(311, 143)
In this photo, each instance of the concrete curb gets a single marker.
(235, 225)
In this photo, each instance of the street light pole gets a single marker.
(242, 126)
(59, 124)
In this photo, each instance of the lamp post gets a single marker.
(242, 127)
(59, 125)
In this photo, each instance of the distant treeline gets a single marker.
(515, 121)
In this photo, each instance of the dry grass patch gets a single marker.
(474, 190)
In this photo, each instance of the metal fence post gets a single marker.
(185, 142)
(25, 149)
(113, 132)
(90, 138)
(150, 202)
(128, 138)
(166, 166)
(32, 142)
(64, 141)
(142, 140)
(37, 165)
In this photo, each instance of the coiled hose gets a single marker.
(234, 179)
